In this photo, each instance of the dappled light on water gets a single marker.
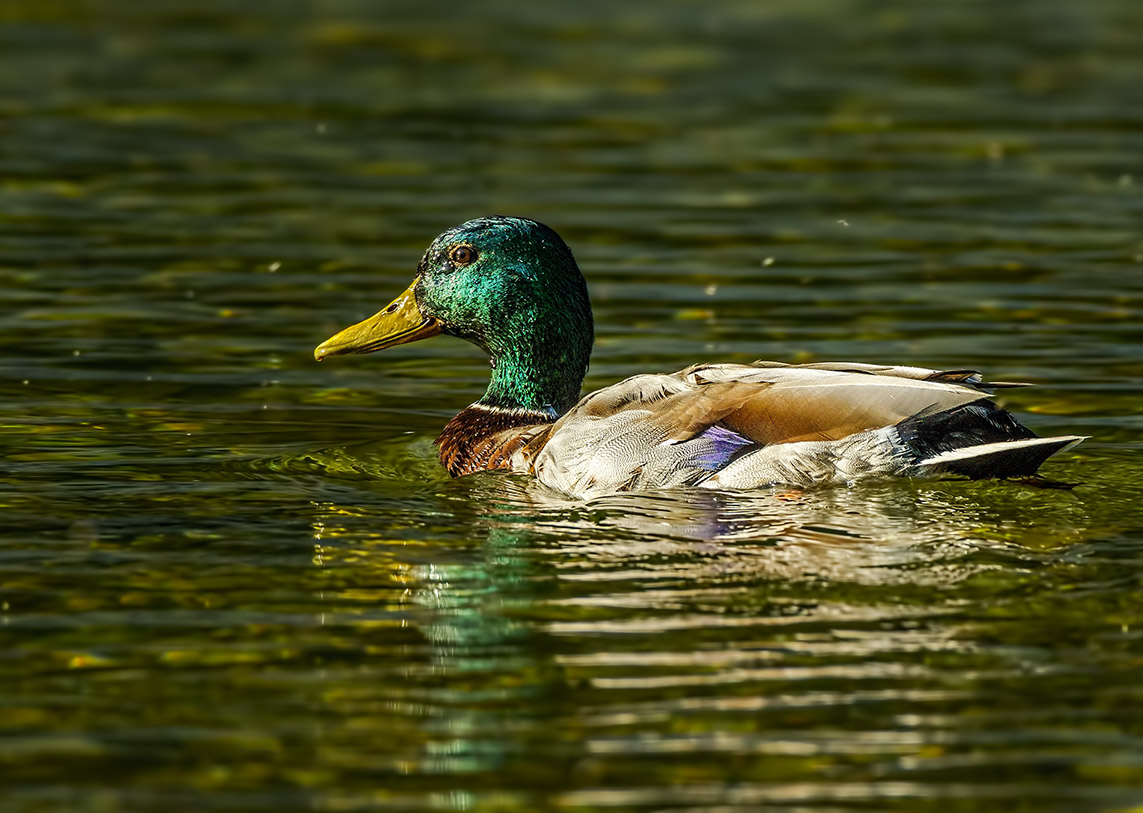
(232, 579)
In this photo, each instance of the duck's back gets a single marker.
(744, 426)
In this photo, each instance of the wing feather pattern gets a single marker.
(668, 430)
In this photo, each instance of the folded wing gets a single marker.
(655, 431)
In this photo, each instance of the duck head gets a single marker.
(510, 286)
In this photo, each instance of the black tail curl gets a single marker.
(930, 433)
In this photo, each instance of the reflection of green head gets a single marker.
(511, 286)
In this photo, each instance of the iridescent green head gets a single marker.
(508, 285)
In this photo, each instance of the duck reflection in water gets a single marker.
(588, 611)
(877, 533)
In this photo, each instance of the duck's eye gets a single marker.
(463, 255)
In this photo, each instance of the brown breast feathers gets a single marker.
(482, 438)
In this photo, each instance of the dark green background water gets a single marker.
(236, 580)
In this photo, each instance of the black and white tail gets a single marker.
(1008, 458)
(978, 440)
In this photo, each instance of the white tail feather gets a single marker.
(984, 449)
(1003, 449)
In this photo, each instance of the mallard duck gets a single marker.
(511, 287)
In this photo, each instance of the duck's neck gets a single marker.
(533, 382)
(539, 378)
(523, 392)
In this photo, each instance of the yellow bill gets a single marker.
(399, 323)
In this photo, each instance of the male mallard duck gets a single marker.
(511, 287)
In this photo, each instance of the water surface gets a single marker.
(236, 580)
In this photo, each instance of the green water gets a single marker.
(236, 580)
